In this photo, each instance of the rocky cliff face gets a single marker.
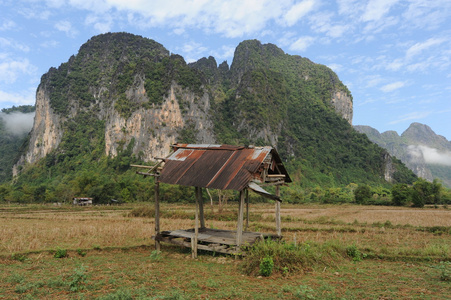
(154, 130)
(46, 133)
(342, 102)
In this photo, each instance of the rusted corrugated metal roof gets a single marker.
(221, 167)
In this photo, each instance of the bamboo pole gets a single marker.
(239, 229)
(157, 214)
(278, 220)
(247, 210)
(211, 199)
(201, 207)
(196, 225)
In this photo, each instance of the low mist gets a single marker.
(431, 155)
(18, 123)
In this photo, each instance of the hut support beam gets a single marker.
(247, 210)
(278, 220)
(200, 200)
(239, 229)
(197, 191)
(157, 213)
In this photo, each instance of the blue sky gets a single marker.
(394, 56)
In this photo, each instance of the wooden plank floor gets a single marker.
(218, 236)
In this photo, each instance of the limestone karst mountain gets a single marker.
(123, 97)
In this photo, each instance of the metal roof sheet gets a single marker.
(216, 166)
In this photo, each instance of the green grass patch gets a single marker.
(268, 256)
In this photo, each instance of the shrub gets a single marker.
(289, 258)
(60, 253)
(354, 253)
(77, 279)
(19, 257)
(81, 252)
(445, 270)
(266, 266)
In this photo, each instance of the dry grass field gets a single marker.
(110, 254)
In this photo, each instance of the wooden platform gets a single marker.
(216, 240)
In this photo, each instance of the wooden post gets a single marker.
(239, 229)
(247, 210)
(219, 201)
(211, 199)
(278, 221)
(201, 207)
(157, 213)
(196, 225)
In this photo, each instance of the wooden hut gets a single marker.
(222, 167)
(82, 201)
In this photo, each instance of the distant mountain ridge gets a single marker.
(427, 154)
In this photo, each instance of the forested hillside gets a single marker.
(125, 99)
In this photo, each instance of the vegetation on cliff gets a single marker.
(266, 97)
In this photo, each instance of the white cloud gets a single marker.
(56, 3)
(101, 6)
(380, 25)
(376, 9)
(50, 44)
(323, 22)
(224, 53)
(297, 11)
(372, 81)
(335, 67)
(351, 8)
(66, 27)
(193, 51)
(411, 116)
(420, 47)
(179, 31)
(7, 25)
(426, 14)
(395, 65)
(392, 86)
(430, 155)
(233, 18)
(26, 97)
(101, 24)
(8, 43)
(11, 69)
(302, 43)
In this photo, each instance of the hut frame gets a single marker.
(222, 167)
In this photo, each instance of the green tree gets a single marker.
(436, 190)
(422, 192)
(362, 194)
(5, 192)
(401, 194)
(126, 195)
